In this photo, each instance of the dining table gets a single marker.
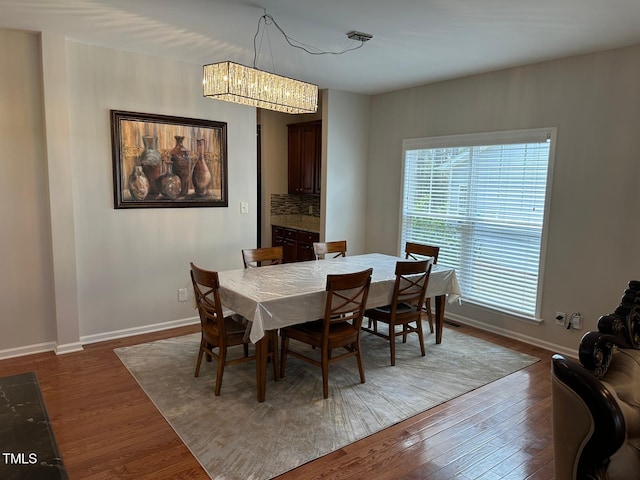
(276, 296)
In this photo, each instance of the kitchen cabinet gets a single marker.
(297, 245)
(305, 157)
(304, 250)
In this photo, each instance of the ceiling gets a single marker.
(414, 41)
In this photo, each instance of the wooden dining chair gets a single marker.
(258, 257)
(405, 309)
(219, 331)
(418, 251)
(338, 248)
(339, 329)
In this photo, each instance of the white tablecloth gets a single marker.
(280, 295)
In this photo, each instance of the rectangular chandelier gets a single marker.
(237, 83)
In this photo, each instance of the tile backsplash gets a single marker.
(284, 204)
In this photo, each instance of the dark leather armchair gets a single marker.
(596, 403)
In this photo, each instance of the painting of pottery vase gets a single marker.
(151, 162)
(161, 161)
(138, 184)
(181, 165)
(201, 176)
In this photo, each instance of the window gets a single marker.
(482, 199)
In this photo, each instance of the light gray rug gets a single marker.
(235, 437)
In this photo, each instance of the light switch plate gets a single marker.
(244, 207)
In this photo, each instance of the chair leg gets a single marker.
(245, 347)
(420, 335)
(222, 359)
(359, 359)
(392, 343)
(325, 373)
(429, 314)
(199, 360)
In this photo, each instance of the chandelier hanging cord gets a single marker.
(258, 49)
(268, 19)
(232, 82)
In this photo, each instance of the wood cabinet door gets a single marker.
(317, 185)
(304, 155)
(308, 161)
(305, 245)
(290, 245)
(290, 250)
(277, 237)
(305, 252)
(294, 155)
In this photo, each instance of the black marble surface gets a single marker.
(28, 449)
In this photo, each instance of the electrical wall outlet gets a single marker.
(244, 207)
(183, 295)
(561, 318)
(576, 321)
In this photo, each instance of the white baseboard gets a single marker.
(68, 348)
(536, 342)
(27, 350)
(100, 337)
(129, 332)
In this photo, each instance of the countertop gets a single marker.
(307, 223)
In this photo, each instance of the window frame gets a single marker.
(548, 134)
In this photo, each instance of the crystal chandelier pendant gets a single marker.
(237, 83)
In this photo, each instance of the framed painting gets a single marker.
(161, 161)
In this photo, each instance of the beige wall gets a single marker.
(61, 202)
(344, 172)
(274, 163)
(129, 264)
(594, 101)
(132, 262)
(26, 284)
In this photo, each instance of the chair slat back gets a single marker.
(417, 251)
(338, 248)
(412, 279)
(347, 297)
(259, 257)
(206, 287)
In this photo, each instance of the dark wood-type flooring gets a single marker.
(107, 428)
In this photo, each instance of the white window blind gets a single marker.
(481, 198)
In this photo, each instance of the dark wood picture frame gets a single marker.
(161, 161)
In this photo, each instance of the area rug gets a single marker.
(27, 444)
(236, 438)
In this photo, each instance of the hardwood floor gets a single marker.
(107, 428)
